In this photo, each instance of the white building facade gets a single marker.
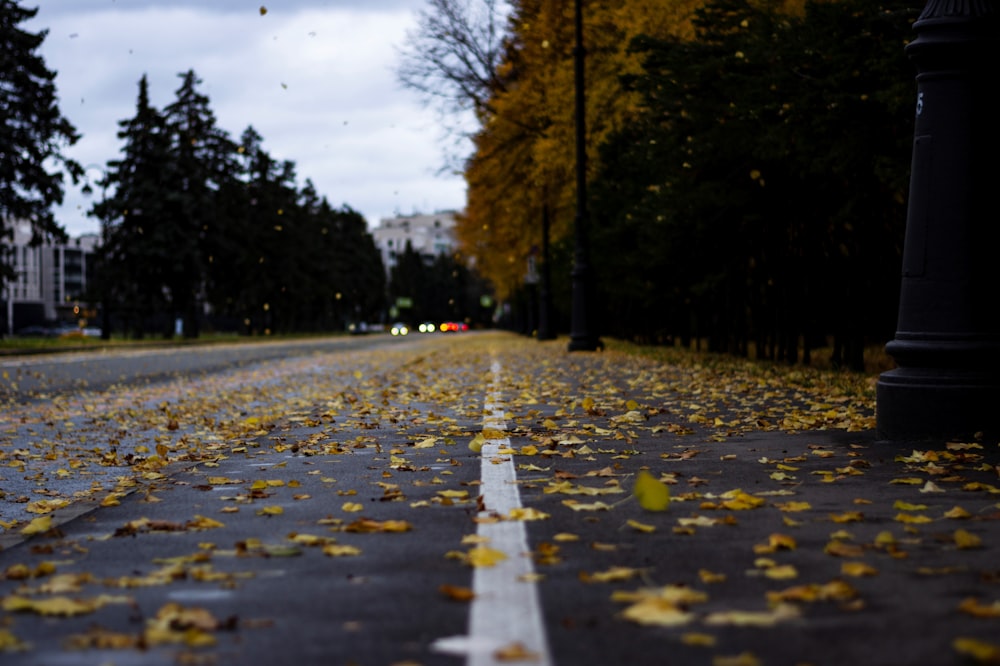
(429, 235)
(50, 279)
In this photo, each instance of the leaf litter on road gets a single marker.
(613, 434)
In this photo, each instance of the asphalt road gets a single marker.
(333, 508)
(40, 376)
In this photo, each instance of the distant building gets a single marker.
(429, 235)
(51, 280)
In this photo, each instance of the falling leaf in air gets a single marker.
(653, 494)
(263, 10)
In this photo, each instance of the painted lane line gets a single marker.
(506, 610)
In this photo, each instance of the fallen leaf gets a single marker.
(971, 606)
(38, 525)
(483, 556)
(456, 592)
(979, 650)
(966, 540)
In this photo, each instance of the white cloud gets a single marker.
(316, 82)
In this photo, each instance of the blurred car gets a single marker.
(453, 326)
(427, 327)
(399, 329)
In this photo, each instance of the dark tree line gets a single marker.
(758, 201)
(33, 134)
(201, 228)
(445, 289)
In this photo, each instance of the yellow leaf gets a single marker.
(653, 611)
(900, 505)
(340, 550)
(46, 506)
(957, 512)
(476, 445)
(55, 606)
(611, 575)
(781, 572)
(203, 523)
(707, 576)
(482, 556)
(972, 606)
(653, 494)
(273, 510)
(222, 481)
(697, 639)
(579, 506)
(456, 592)
(527, 513)
(979, 650)
(911, 518)
(566, 536)
(352, 507)
(847, 517)
(38, 525)
(369, 525)
(857, 569)
(794, 506)
(515, 652)
(966, 540)
(841, 549)
(739, 618)
(641, 527)
(8, 641)
(454, 494)
(738, 500)
(908, 481)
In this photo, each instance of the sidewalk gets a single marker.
(346, 527)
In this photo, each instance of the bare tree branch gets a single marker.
(453, 55)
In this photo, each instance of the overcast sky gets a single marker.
(315, 78)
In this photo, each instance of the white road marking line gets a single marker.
(506, 609)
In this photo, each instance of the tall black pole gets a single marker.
(582, 334)
(947, 344)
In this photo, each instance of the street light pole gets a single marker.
(582, 335)
(947, 346)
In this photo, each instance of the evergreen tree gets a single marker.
(33, 133)
(131, 260)
(202, 161)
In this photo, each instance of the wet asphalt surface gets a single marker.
(811, 547)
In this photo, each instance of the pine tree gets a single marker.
(203, 159)
(33, 133)
(131, 268)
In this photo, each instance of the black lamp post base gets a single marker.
(936, 404)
